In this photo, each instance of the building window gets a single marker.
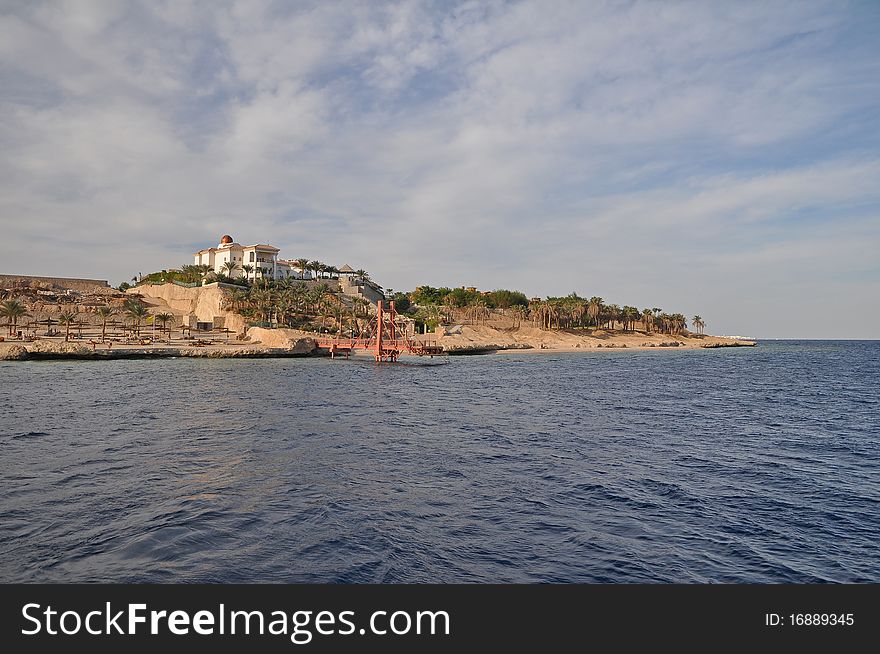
(252, 256)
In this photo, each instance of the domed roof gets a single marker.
(225, 239)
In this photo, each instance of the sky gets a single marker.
(710, 158)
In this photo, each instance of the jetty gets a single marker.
(386, 341)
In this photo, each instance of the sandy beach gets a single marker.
(534, 340)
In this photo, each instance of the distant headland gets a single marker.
(245, 301)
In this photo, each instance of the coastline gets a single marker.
(527, 339)
(158, 353)
(286, 343)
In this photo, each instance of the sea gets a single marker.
(740, 465)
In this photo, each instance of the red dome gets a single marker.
(226, 239)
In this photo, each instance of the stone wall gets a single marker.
(351, 288)
(277, 337)
(74, 283)
(203, 303)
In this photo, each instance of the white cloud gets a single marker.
(612, 149)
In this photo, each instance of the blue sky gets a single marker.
(712, 158)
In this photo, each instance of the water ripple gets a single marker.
(719, 466)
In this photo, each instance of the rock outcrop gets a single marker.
(53, 350)
(14, 353)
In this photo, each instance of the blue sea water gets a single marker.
(732, 465)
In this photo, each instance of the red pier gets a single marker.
(386, 340)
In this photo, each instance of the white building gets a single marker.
(296, 272)
(249, 261)
(261, 261)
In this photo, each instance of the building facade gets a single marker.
(261, 261)
(250, 261)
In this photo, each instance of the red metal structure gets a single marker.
(385, 339)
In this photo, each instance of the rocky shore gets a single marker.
(42, 350)
(476, 339)
(265, 343)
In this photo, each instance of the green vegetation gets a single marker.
(229, 268)
(186, 275)
(67, 319)
(164, 319)
(401, 301)
(195, 275)
(430, 306)
(105, 313)
(293, 303)
(461, 297)
(12, 310)
(137, 311)
(133, 309)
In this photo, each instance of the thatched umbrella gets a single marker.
(49, 322)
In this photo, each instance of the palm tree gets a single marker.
(260, 301)
(362, 275)
(325, 309)
(316, 266)
(698, 323)
(680, 322)
(647, 319)
(164, 318)
(138, 311)
(477, 312)
(662, 320)
(105, 313)
(518, 314)
(12, 310)
(191, 273)
(316, 296)
(303, 265)
(67, 319)
(673, 324)
(339, 312)
(237, 299)
(248, 269)
(629, 315)
(449, 306)
(613, 314)
(594, 309)
(298, 296)
(230, 267)
(578, 312)
(282, 308)
(546, 313)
